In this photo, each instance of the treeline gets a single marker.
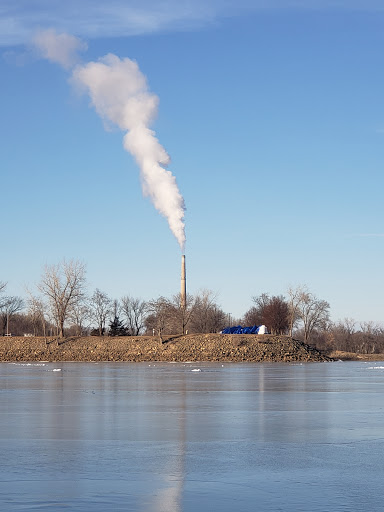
(61, 307)
(349, 336)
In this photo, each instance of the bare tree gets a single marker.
(313, 312)
(255, 315)
(36, 311)
(349, 325)
(275, 315)
(168, 315)
(160, 312)
(63, 285)
(182, 313)
(79, 315)
(341, 335)
(207, 315)
(100, 309)
(350, 336)
(368, 338)
(10, 306)
(3, 300)
(261, 301)
(270, 311)
(134, 311)
(295, 297)
(201, 314)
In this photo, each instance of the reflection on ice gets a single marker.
(116, 436)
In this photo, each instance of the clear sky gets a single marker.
(273, 115)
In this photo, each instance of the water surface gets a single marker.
(186, 437)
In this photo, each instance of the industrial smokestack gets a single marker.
(183, 289)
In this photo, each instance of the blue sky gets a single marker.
(273, 115)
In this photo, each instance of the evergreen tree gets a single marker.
(117, 328)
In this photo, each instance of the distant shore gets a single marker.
(353, 356)
(192, 347)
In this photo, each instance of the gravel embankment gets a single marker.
(192, 347)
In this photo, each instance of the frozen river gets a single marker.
(192, 437)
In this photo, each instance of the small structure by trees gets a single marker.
(280, 315)
(63, 299)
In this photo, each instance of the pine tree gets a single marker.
(116, 327)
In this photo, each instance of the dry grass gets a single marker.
(352, 356)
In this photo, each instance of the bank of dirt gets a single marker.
(192, 347)
(353, 356)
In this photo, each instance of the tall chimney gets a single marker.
(183, 289)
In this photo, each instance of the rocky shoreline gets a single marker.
(192, 347)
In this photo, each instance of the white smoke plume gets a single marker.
(119, 93)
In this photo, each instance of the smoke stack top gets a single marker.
(119, 93)
(183, 288)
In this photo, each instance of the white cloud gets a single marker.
(99, 18)
(60, 48)
(20, 19)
